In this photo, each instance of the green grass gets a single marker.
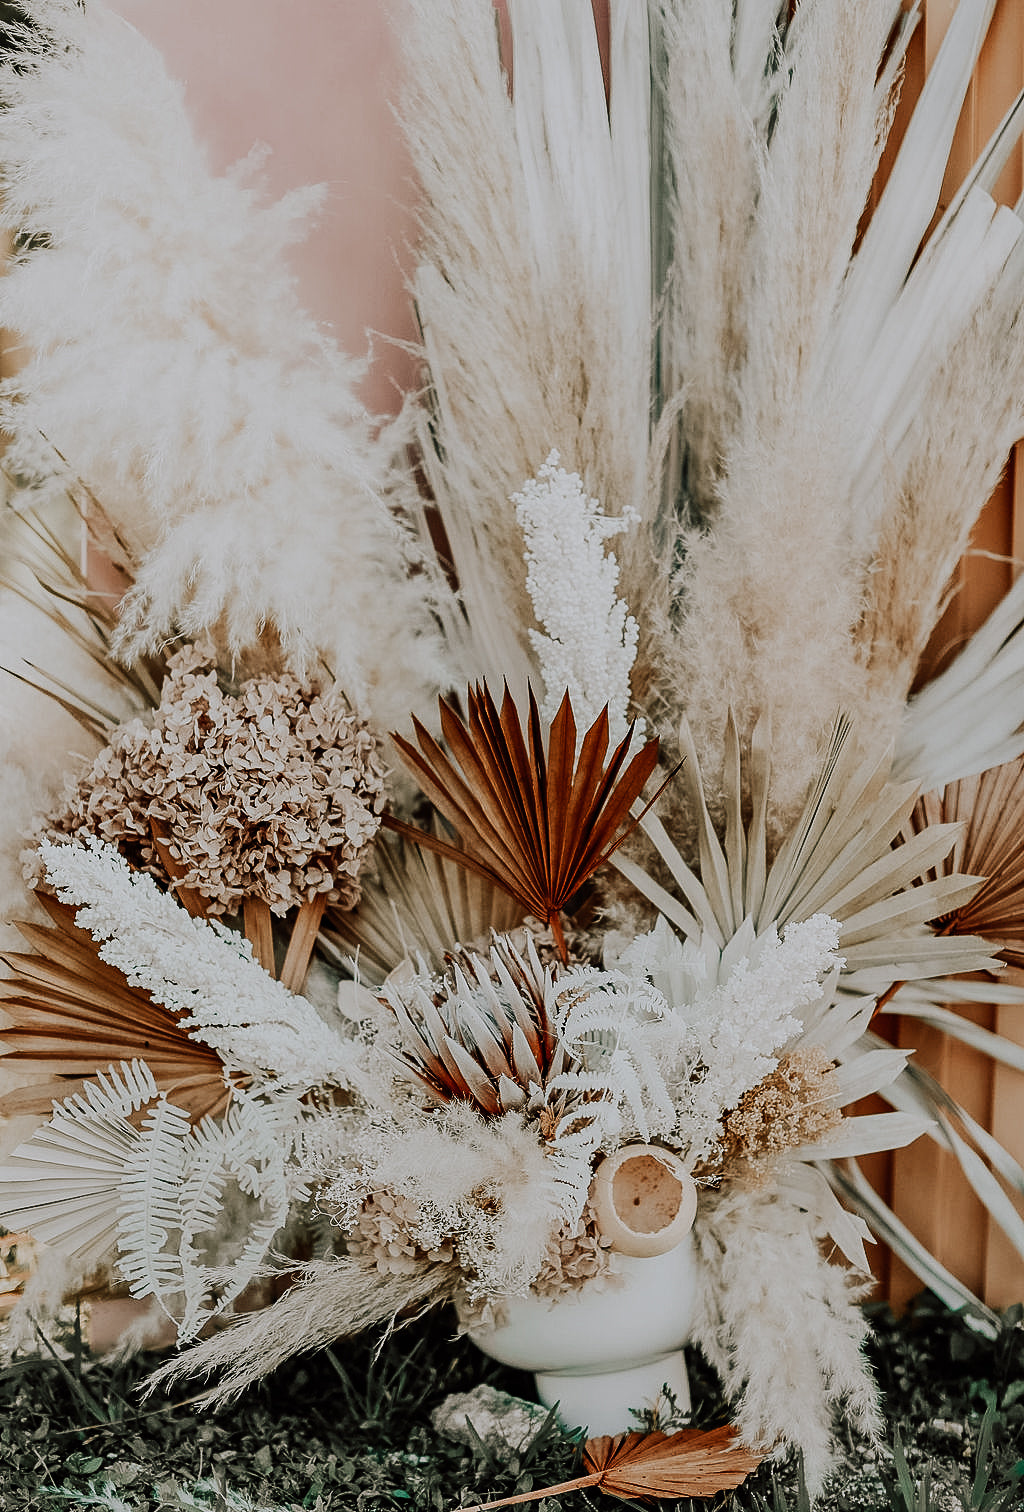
(348, 1429)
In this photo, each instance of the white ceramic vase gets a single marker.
(605, 1349)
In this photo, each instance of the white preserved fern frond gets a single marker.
(599, 1021)
(149, 1215)
(248, 1148)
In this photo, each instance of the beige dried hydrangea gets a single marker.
(584, 1254)
(272, 792)
(383, 1231)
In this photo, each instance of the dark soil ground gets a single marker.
(342, 1430)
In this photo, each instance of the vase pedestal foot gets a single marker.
(602, 1402)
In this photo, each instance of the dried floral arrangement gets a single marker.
(676, 824)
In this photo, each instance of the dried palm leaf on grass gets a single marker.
(535, 821)
(646, 1467)
(71, 1015)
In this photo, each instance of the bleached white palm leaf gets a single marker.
(65, 1183)
(838, 859)
(849, 1182)
(908, 202)
(968, 719)
(992, 1171)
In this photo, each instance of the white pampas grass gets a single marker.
(781, 1327)
(169, 359)
(533, 287)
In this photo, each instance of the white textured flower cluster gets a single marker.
(589, 638)
(728, 1013)
(198, 969)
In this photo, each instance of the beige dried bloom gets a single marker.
(793, 1105)
(573, 1257)
(271, 792)
(383, 1232)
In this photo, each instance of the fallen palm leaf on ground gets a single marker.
(649, 1467)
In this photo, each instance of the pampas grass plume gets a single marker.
(173, 365)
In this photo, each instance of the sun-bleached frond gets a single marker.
(65, 1181)
(422, 904)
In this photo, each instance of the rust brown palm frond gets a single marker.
(488, 1038)
(70, 1015)
(991, 809)
(536, 822)
(648, 1467)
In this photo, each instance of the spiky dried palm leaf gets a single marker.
(71, 1015)
(488, 1037)
(648, 1467)
(838, 859)
(537, 822)
(990, 810)
(420, 905)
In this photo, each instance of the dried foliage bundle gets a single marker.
(653, 307)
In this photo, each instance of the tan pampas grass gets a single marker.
(171, 362)
(560, 360)
(952, 457)
(333, 1299)
(767, 599)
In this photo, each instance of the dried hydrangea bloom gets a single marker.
(575, 1256)
(270, 792)
(384, 1232)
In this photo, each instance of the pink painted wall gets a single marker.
(314, 80)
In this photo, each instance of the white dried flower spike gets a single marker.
(589, 639)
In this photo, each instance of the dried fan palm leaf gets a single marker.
(420, 905)
(536, 822)
(839, 859)
(647, 1466)
(71, 1015)
(64, 1183)
(990, 809)
(54, 581)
